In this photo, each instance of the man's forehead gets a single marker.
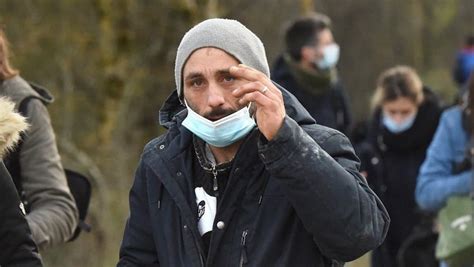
(209, 51)
(324, 37)
(201, 57)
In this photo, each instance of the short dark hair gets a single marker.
(301, 32)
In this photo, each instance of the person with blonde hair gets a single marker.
(51, 211)
(404, 119)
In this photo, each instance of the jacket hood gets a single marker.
(11, 125)
(17, 89)
(173, 111)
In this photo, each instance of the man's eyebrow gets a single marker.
(223, 72)
(193, 75)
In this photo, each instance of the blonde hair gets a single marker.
(6, 71)
(399, 81)
(11, 125)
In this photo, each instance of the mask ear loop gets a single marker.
(188, 107)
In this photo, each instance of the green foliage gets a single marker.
(443, 12)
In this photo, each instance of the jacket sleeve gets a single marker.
(138, 247)
(436, 183)
(16, 244)
(319, 173)
(53, 214)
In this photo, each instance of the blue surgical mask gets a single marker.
(223, 132)
(330, 57)
(395, 127)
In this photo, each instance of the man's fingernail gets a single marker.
(233, 68)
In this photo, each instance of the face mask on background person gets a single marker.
(222, 132)
(395, 127)
(330, 57)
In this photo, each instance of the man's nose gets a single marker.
(399, 118)
(215, 96)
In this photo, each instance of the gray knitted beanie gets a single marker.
(226, 34)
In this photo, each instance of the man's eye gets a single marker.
(196, 83)
(229, 78)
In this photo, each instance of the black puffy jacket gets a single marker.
(17, 247)
(297, 200)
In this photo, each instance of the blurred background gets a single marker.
(109, 64)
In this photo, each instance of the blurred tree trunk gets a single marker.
(198, 10)
(306, 6)
(115, 51)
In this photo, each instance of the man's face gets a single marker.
(208, 84)
(324, 38)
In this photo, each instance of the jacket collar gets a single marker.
(18, 89)
(11, 126)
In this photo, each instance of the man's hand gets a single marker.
(270, 109)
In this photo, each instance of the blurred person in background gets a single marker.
(404, 119)
(447, 170)
(244, 176)
(17, 247)
(51, 211)
(308, 70)
(464, 63)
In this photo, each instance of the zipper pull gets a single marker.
(243, 255)
(215, 185)
(243, 240)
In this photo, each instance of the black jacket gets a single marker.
(297, 200)
(17, 247)
(330, 107)
(392, 166)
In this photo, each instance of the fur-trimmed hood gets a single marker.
(11, 125)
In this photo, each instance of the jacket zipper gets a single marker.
(201, 258)
(243, 253)
(215, 186)
(196, 243)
